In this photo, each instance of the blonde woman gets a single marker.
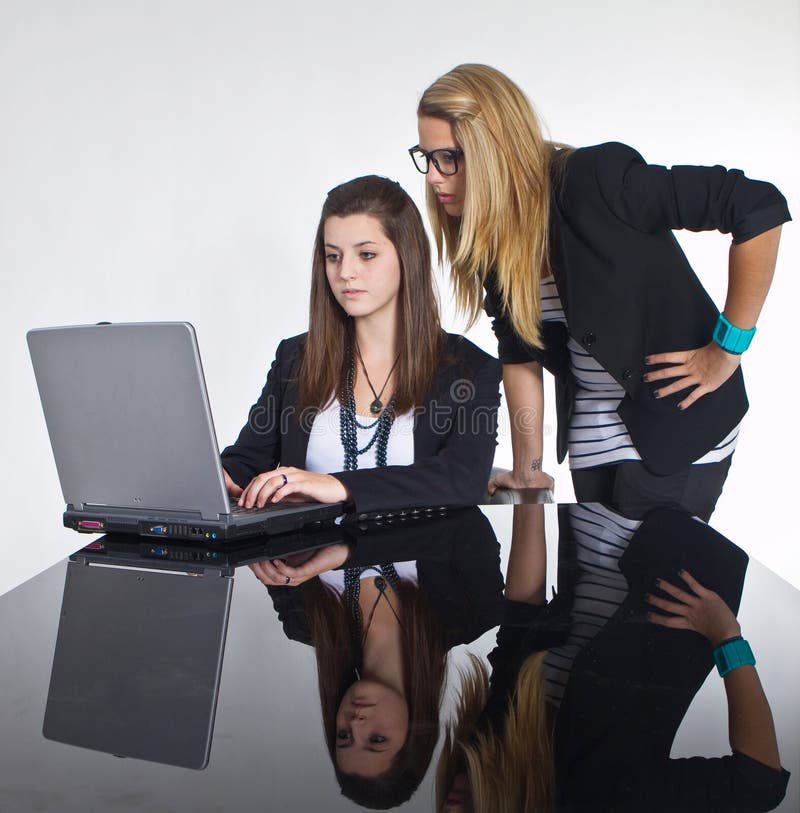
(582, 274)
(589, 723)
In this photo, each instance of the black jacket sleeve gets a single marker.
(654, 198)
(510, 348)
(733, 782)
(290, 607)
(258, 447)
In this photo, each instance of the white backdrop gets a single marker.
(168, 160)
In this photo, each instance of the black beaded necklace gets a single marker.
(348, 424)
(352, 586)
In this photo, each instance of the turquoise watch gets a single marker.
(733, 653)
(731, 338)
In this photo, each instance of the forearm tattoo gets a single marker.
(536, 464)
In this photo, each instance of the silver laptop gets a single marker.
(138, 658)
(133, 439)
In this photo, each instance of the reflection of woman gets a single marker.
(630, 685)
(381, 635)
(380, 681)
(498, 755)
(506, 767)
(375, 383)
(583, 275)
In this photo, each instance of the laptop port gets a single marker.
(91, 525)
(158, 529)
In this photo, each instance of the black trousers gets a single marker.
(630, 488)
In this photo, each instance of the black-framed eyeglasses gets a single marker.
(446, 161)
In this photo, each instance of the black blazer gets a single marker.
(632, 684)
(628, 290)
(458, 569)
(455, 433)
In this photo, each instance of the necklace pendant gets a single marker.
(376, 406)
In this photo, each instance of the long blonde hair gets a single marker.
(506, 215)
(510, 770)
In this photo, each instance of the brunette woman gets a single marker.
(375, 404)
(381, 627)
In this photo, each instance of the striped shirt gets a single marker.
(601, 537)
(597, 435)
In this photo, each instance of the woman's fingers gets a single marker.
(676, 371)
(676, 592)
(292, 484)
(706, 369)
(248, 497)
(283, 570)
(701, 610)
(234, 491)
(674, 607)
(693, 584)
(267, 573)
(675, 357)
(263, 487)
(685, 381)
(676, 622)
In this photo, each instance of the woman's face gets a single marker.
(362, 266)
(371, 728)
(437, 134)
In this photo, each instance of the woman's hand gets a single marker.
(291, 484)
(507, 479)
(234, 491)
(702, 610)
(706, 369)
(280, 573)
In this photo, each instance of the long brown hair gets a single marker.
(424, 670)
(330, 329)
(505, 222)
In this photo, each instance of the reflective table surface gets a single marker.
(158, 678)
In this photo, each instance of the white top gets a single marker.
(597, 435)
(407, 571)
(325, 452)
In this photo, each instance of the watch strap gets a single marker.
(731, 338)
(733, 653)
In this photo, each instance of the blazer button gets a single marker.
(588, 339)
(626, 374)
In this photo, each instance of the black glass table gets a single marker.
(262, 746)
